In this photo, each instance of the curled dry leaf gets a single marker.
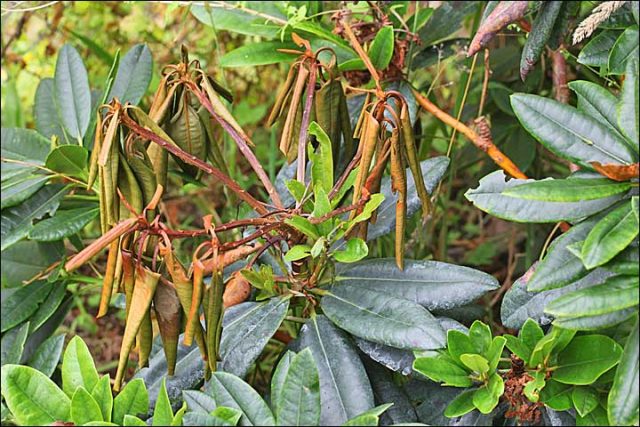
(617, 172)
(504, 14)
(236, 291)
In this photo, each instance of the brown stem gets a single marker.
(363, 55)
(304, 125)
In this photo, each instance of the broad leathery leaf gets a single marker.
(262, 53)
(382, 318)
(344, 387)
(239, 21)
(446, 20)
(32, 397)
(17, 221)
(567, 190)
(569, 133)
(595, 322)
(556, 395)
(132, 400)
(580, 367)
(610, 236)
(386, 390)
(49, 307)
(13, 343)
(63, 224)
(597, 417)
(321, 159)
(462, 404)
(232, 392)
(370, 417)
(623, 397)
(133, 77)
(48, 328)
(26, 147)
(596, 52)
(518, 305)
(73, 95)
(23, 303)
(47, 355)
(443, 369)
(188, 133)
(84, 407)
(597, 102)
(70, 160)
(102, 394)
(163, 413)
(490, 197)
(78, 368)
(628, 112)
(381, 49)
(278, 377)
(541, 31)
(19, 188)
(299, 398)
(585, 400)
(616, 293)
(198, 401)
(46, 112)
(246, 330)
(560, 267)
(624, 50)
(432, 284)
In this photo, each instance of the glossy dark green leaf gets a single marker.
(597, 417)
(580, 367)
(19, 188)
(490, 197)
(623, 397)
(596, 52)
(299, 397)
(22, 150)
(84, 407)
(568, 132)
(585, 400)
(432, 284)
(628, 112)
(12, 344)
(610, 236)
(386, 390)
(78, 368)
(46, 112)
(597, 102)
(381, 49)
(568, 190)
(133, 399)
(229, 390)
(247, 328)
(73, 96)
(37, 337)
(382, 318)
(17, 221)
(624, 49)
(134, 75)
(23, 303)
(556, 395)
(70, 160)
(32, 397)
(541, 31)
(25, 259)
(63, 224)
(446, 20)
(261, 53)
(48, 354)
(278, 377)
(595, 322)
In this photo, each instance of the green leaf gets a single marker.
(345, 391)
(490, 197)
(278, 377)
(475, 362)
(432, 284)
(12, 344)
(480, 334)
(84, 408)
(22, 150)
(229, 415)
(32, 397)
(495, 352)
(232, 392)
(63, 224)
(245, 335)
(443, 370)
(596, 52)
(46, 112)
(568, 190)
(624, 49)
(461, 405)
(297, 252)
(374, 201)
(23, 303)
(597, 102)
(25, 259)
(556, 396)
(541, 30)
(299, 398)
(599, 321)
(617, 293)
(19, 188)
(132, 400)
(580, 367)
(47, 356)
(382, 318)
(304, 226)
(517, 347)
(78, 368)
(72, 92)
(628, 112)
(133, 77)
(446, 20)
(585, 400)
(102, 394)
(381, 50)
(17, 221)
(533, 387)
(130, 420)
(531, 333)
(239, 20)
(556, 340)
(569, 133)
(162, 413)
(355, 250)
(296, 188)
(198, 401)
(623, 397)
(610, 236)
(321, 159)
(70, 160)
(370, 417)
(597, 417)
(486, 398)
(261, 53)
(458, 343)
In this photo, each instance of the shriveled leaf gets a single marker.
(503, 14)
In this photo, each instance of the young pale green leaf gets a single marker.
(304, 226)
(585, 400)
(533, 387)
(568, 190)
(628, 112)
(23, 303)
(443, 370)
(382, 318)
(297, 252)
(46, 357)
(494, 352)
(230, 416)
(486, 398)
(596, 52)
(102, 395)
(475, 362)
(296, 188)
(133, 399)
(78, 368)
(73, 95)
(321, 159)
(480, 334)
(32, 397)
(556, 396)
(299, 398)
(517, 347)
(569, 133)
(84, 407)
(586, 358)
(531, 333)
(458, 343)
(354, 251)
(162, 413)
(134, 75)
(69, 160)
(623, 397)
(610, 236)
(253, 54)
(63, 224)
(374, 201)
(132, 420)
(624, 50)
(556, 340)
(381, 49)
(370, 417)
(461, 405)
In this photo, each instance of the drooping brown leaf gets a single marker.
(236, 291)
(617, 172)
(168, 314)
(504, 14)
